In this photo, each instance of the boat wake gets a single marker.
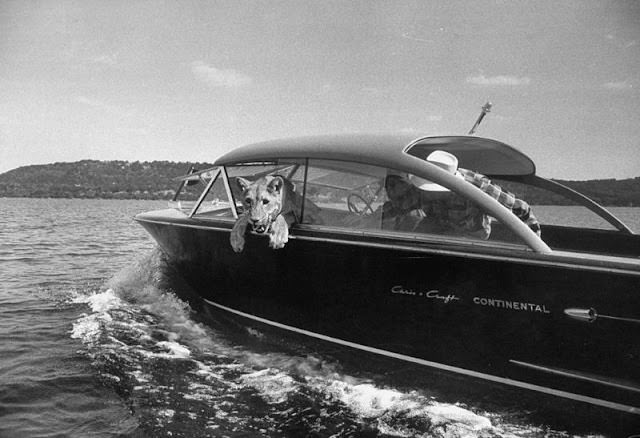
(181, 377)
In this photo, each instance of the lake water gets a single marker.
(96, 341)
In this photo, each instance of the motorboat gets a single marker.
(556, 314)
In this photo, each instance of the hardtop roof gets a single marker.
(483, 155)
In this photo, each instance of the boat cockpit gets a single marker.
(345, 196)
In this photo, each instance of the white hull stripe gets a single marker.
(489, 377)
(574, 375)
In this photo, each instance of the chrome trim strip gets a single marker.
(227, 187)
(489, 377)
(591, 315)
(574, 375)
(582, 200)
(620, 318)
(174, 224)
(204, 193)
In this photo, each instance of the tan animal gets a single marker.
(270, 207)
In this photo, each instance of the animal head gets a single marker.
(263, 200)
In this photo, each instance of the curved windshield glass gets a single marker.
(354, 196)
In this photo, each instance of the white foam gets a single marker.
(208, 372)
(383, 406)
(272, 385)
(379, 404)
(164, 416)
(89, 327)
(157, 324)
(99, 302)
(111, 376)
(141, 377)
(169, 413)
(441, 413)
(175, 349)
(365, 399)
(136, 320)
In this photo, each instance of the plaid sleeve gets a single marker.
(523, 211)
(519, 207)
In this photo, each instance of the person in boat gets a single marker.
(402, 211)
(422, 206)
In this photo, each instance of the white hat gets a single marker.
(445, 161)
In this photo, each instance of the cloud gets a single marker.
(110, 60)
(91, 102)
(95, 103)
(375, 91)
(324, 90)
(219, 78)
(621, 42)
(621, 85)
(9, 83)
(500, 80)
(408, 36)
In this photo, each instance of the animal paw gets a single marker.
(237, 242)
(237, 234)
(279, 233)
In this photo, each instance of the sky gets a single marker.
(189, 80)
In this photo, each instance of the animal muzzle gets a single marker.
(259, 227)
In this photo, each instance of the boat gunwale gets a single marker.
(429, 244)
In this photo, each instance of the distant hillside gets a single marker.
(622, 193)
(96, 179)
(154, 180)
(609, 192)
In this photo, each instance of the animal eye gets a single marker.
(265, 201)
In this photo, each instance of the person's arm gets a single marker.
(523, 211)
(519, 207)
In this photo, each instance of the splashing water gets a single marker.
(181, 377)
(81, 356)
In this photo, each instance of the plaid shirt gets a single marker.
(455, 213)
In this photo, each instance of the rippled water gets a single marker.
(96, 340)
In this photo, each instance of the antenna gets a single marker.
(486, 108)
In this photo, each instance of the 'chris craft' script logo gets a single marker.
(432, 294)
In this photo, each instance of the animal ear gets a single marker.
(275, 185)
(243, 183)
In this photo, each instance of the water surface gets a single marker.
(96, 339)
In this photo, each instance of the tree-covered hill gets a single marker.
(154, 180)
(609, 192)
(624, 193)
(96, 179)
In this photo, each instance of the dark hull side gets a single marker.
(499, 318)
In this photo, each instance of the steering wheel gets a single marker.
(354, 208)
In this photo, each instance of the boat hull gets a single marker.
(500, 318)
